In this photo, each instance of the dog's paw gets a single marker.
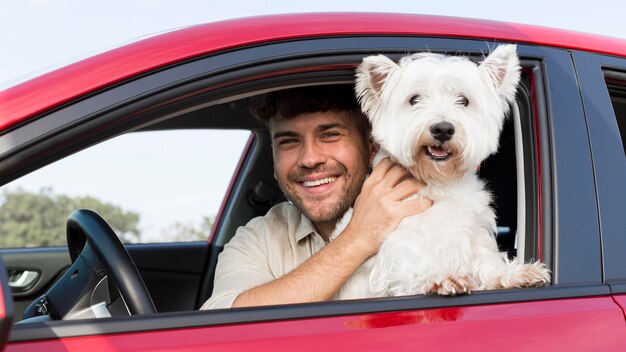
(453, 285)
(535, 275)
(528, 275)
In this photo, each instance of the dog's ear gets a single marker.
(502, 69)
(371, 76)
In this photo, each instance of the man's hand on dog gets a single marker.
(382, 203)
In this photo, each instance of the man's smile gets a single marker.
(323, 185)
(319, 182)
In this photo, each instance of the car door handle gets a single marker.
(23, 279)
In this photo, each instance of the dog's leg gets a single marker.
(408, 265)
(523, 275)
(496, 271)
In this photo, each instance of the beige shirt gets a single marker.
(267, 248)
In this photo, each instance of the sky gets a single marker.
(39, 35)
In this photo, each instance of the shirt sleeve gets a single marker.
(242, 265)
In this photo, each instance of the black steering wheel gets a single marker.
(103, 281)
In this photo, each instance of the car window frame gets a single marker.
(111, 112)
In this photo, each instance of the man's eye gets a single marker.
(330, 134)
(286, 141)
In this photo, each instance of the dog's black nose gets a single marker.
(442, 131)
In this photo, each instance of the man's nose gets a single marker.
(311, 155)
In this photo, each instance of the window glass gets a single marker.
(157, 186)
(618, 99)
(616, 84)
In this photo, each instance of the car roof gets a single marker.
(23, 101)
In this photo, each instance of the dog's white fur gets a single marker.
(450, 248)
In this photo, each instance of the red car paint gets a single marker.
(3, 312)
(621, 301)
(571, 325)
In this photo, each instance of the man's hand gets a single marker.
(382, 204)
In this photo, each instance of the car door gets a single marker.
(559, 215)
(603, 82)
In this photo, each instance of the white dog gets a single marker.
(440, 117)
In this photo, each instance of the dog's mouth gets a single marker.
(438, 152)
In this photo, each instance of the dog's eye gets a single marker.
(414, 99)
(462, 100)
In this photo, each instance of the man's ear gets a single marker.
(371, 76)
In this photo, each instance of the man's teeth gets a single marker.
(319, 182)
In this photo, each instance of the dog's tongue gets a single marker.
(438, 151)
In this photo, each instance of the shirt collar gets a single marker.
(305, 228)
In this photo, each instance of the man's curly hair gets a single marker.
(289, 103)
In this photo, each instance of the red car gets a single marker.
(558, 181)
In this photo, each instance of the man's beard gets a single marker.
(347, 194)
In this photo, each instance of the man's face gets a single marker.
(321, 161)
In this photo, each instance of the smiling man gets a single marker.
(322, 156)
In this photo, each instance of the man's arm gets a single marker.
(317, 279)
(377, 212)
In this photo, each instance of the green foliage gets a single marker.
(38, 219)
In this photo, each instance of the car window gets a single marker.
(156, 186)
(618, 100)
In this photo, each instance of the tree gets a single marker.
(180, 232)
(39, 219)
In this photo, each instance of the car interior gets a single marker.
(255, 189)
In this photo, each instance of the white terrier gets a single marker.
(440, 117)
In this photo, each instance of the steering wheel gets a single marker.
(103, 281)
